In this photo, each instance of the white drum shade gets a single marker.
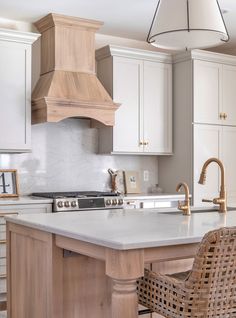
(187, 24)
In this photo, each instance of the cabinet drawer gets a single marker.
(3, 268)
(3, 285)
(2, 250)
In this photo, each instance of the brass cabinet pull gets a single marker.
(3, 241)
(225, 116)
(145, 143)
(141, 143)
(3, 276)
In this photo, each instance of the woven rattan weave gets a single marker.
(207, 291)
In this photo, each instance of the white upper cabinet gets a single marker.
(15, 90)
(126, 87)
(214, 93)
(157, 107)
(229, 95)
(206, 92)
(141, 81)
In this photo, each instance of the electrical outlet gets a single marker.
(146, 175)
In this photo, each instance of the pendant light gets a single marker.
(187, 24)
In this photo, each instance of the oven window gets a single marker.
(91, 203)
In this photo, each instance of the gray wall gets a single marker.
(64, 157)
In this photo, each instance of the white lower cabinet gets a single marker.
(6, 210)
(141, 82)
(214, 141)
(205, 141)
(206, 144)
(228, 156)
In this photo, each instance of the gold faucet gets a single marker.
(222, 200)
(185, 207)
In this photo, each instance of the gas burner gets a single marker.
(75, 194)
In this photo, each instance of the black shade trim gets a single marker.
(150, 29)
(223, 22)
(188, 16)
(150, 38)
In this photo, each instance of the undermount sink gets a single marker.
(199, 210)
(204, 210)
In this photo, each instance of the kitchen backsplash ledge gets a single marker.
(64, 158)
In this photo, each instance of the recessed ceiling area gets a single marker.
(129, 19)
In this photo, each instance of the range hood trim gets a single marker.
(49, 109)
(52, 19)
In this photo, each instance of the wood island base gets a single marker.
(46, 281)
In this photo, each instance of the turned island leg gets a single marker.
(124, 267)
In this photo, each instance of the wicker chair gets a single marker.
(207, 291)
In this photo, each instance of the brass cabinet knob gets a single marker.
(141, 143)
(145, 143)
(223, 116)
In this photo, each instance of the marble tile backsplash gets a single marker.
(64, 158)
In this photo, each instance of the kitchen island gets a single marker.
(85, 264)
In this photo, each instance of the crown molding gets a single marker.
(205, 56)
(113, 50)
(18, 36)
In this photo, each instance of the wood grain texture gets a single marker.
(53, 19)
(68, 86)
(80, 247)
(124, 267)
(124, 299)
(35, 267)
(87, 290)
(124, 264)
(99, 282)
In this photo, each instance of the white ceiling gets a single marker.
(124, 18)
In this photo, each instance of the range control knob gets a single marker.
(67, 204)
(60, 204)
(114, 202)
(120, 201)
(74, 204)
(108, 202)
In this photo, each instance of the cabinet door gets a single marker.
(15, 77)
(207, 92)
(127, 79)
(157, 101)
(206, 145)
(229, 94)
(228, 157)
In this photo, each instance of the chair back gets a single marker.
(213, 276)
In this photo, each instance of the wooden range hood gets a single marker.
(68, 85)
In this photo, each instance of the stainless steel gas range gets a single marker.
(83, 200)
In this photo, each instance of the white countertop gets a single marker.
(25, 200)
(128, 229)
(154, 196)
